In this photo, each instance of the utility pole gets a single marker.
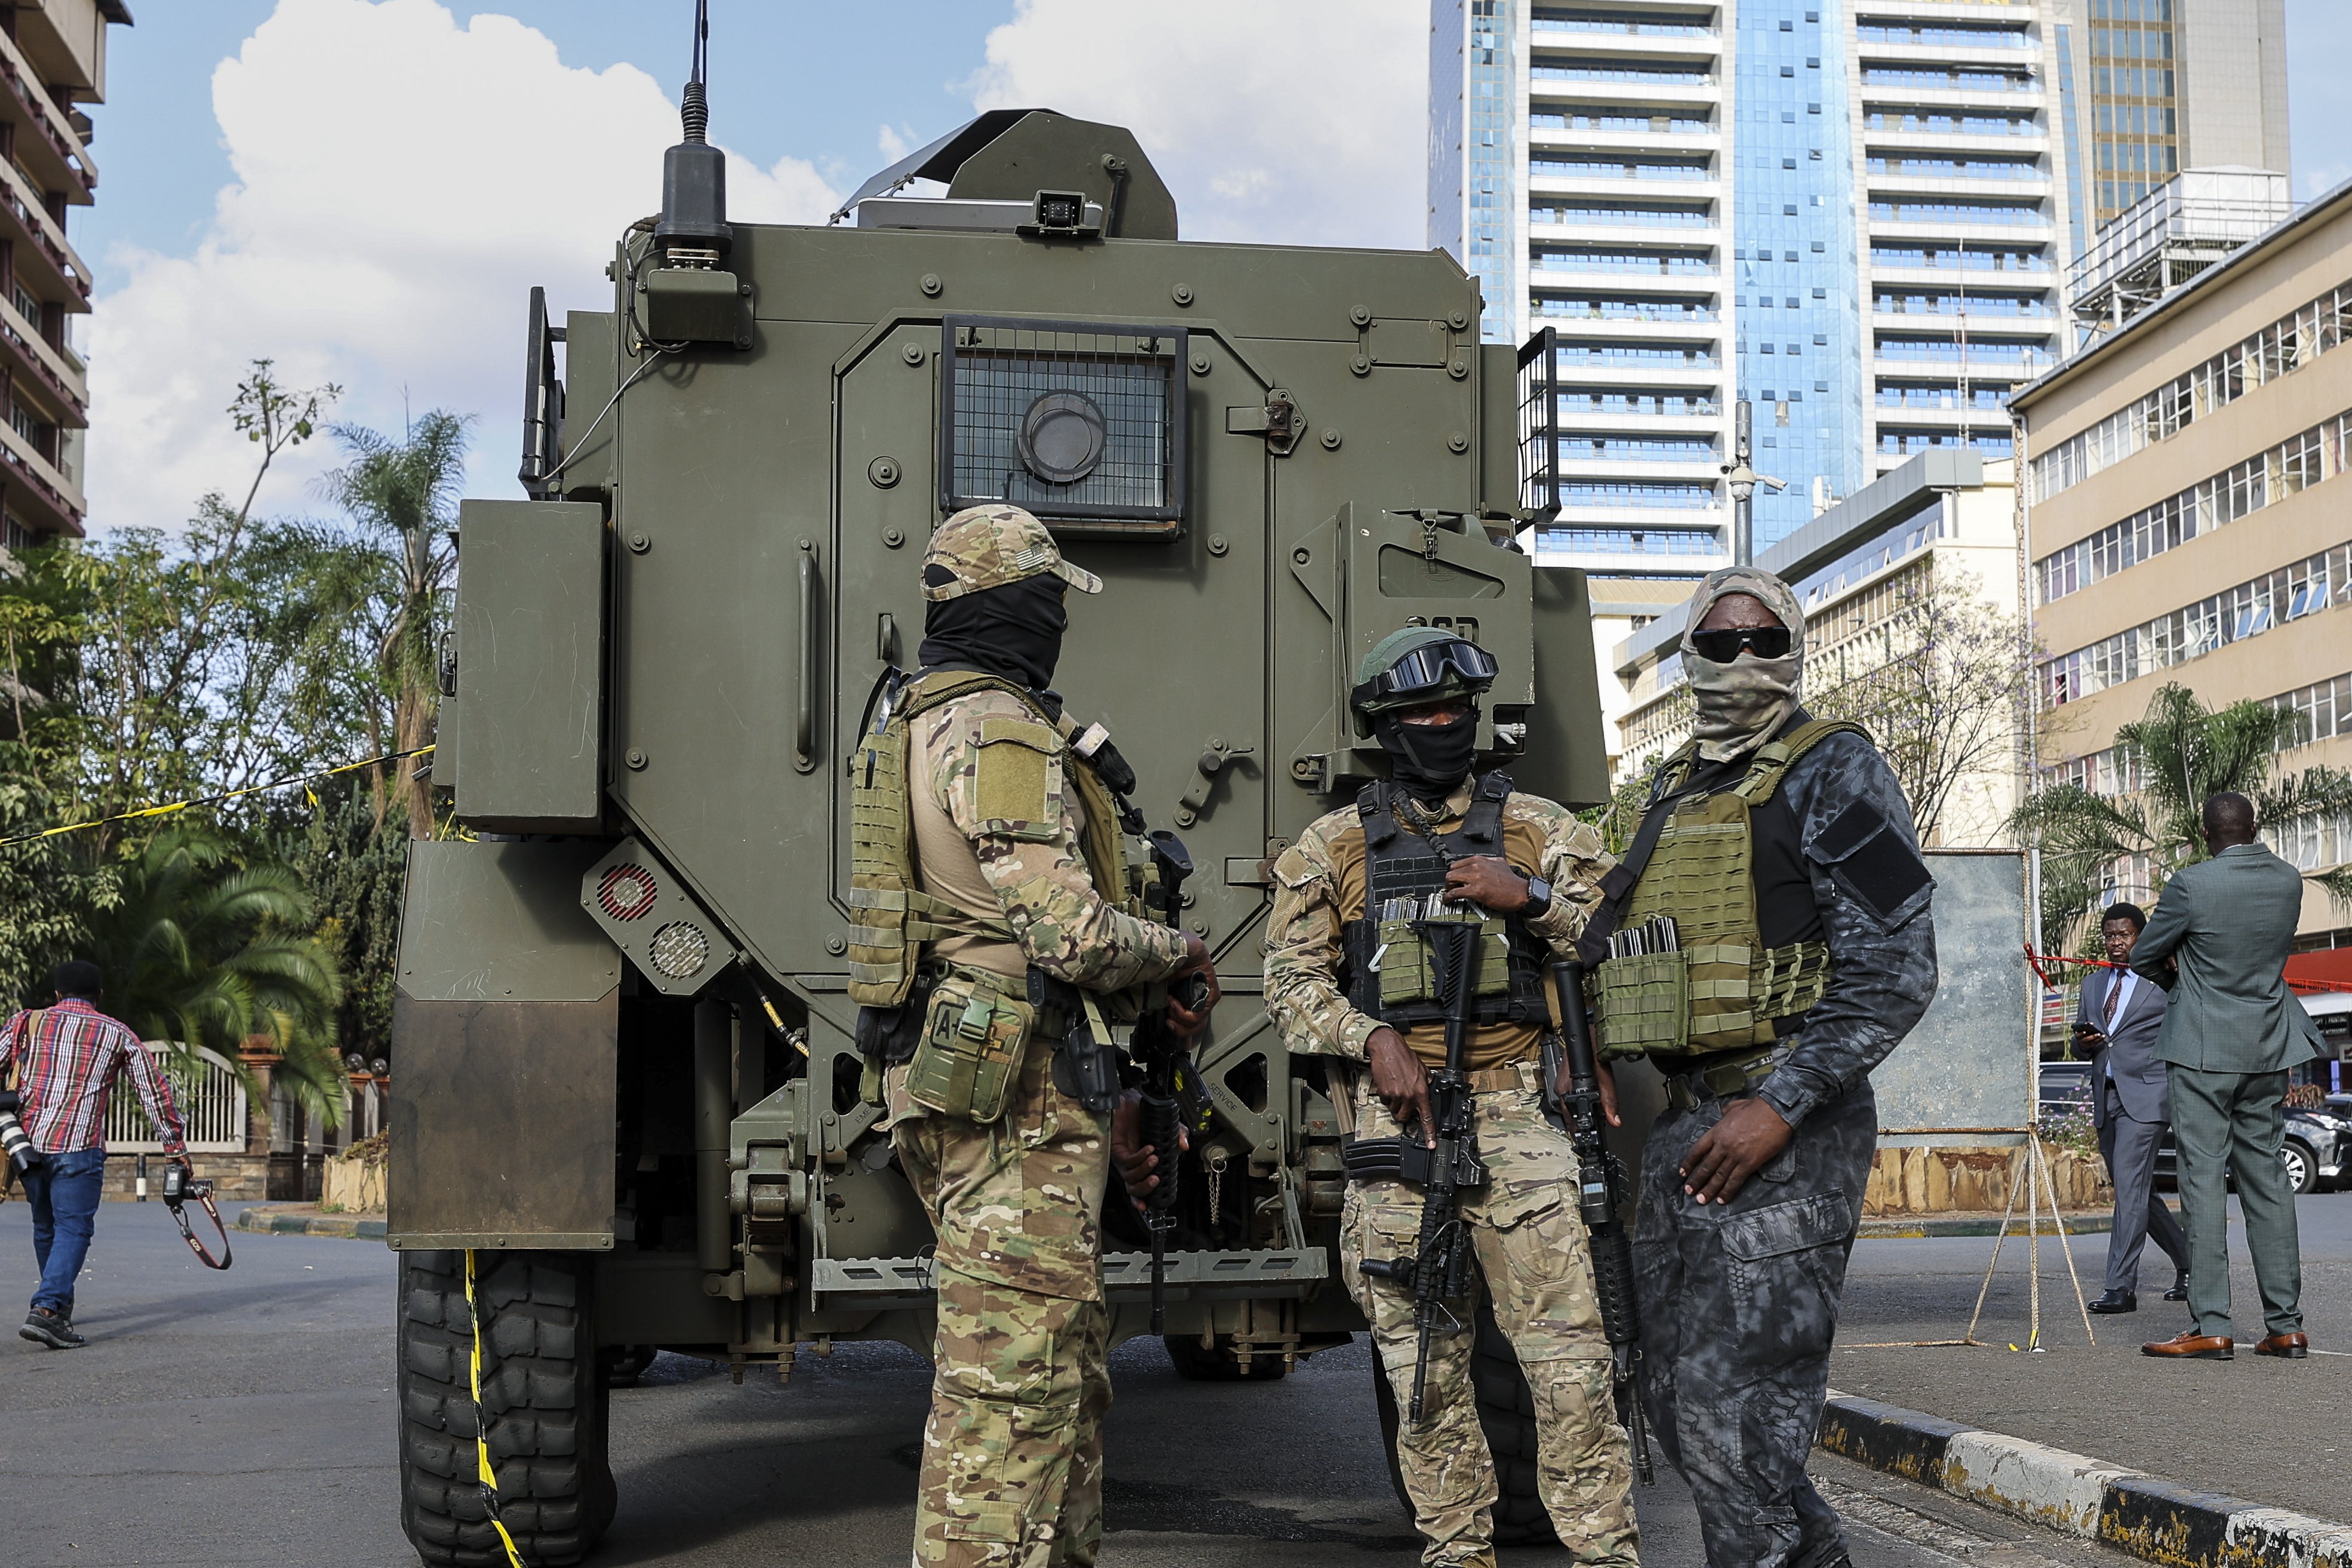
(1743, 480)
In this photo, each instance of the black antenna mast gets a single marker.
(693, 230)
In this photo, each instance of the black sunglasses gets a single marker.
(1723, 645)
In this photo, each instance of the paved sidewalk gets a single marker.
(2255, 1427)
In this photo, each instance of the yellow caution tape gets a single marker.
(483, 1470)
(145, 811)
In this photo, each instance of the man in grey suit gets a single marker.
(2118, 1019)
(2231, 1031)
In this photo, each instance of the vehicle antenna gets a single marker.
(693, 230)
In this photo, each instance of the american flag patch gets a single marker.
(1029, 557)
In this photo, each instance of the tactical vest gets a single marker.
(1390, 977)
(1721, 988)
(895, 916)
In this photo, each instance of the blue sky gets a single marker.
(787, 77)
(363, 190)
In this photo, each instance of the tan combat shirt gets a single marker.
(1319, 888)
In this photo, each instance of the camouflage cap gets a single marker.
(989, 546)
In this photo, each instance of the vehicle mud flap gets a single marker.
(1506, 1411)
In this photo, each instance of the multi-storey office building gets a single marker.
(52, 58)
(1851, 212)
(2151, 88)
(2187, 516)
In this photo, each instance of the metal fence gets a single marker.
(211, 1101)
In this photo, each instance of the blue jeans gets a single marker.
(63, 1191)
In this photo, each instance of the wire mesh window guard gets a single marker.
(1079, 421)
(1539, 424)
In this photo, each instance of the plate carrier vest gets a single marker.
(1722, 988)
(895, 917)
(1389, 974)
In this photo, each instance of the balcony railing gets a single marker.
(1639, 124)
(1622, 311)
(1622, 25)
(1597, 169)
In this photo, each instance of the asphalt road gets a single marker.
(247, 1417)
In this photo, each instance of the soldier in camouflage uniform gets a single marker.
(1010, 830)
(1536, 868)
(1752, 1179)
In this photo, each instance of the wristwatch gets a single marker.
(1539, 902)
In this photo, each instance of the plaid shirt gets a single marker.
(67, 1058)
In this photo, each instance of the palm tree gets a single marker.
(202, 951)
(406, 494)
(2176, 754)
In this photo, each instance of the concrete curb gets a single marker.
(2150, 1519)
(294, 1222)
(1979, 1224)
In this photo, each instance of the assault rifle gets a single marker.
(1439, 1270)
(1600, 1187)
(1163, 1054)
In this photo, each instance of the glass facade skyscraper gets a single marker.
(1856, 214)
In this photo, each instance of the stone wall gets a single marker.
(354, 1178)
(240, 1177)
(1937, 1180)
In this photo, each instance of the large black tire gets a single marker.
(1507, 1410)
(543, 1393)
(1194, 1364)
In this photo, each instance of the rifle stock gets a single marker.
(1161, 1052)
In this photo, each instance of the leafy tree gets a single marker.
(1941, 684)
(403, 493)
(355, 870)
(202, 950)
(2175, 755)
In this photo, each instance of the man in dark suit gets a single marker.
(2118, 1020)
(2230, 1032)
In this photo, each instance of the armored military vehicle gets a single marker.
(627, 1088)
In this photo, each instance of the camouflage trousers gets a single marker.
(1739, 1303)
(1012, 1471)
(1532, 1249)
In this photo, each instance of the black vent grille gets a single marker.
(1077, 422)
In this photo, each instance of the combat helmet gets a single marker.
(1417, 665)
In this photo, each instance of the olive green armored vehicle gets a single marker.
(627, 1080)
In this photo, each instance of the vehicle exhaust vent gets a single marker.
(1079, 421)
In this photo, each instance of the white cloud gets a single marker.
(400, 184)
(1296, 122)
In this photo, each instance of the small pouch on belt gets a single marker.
(974, 1032)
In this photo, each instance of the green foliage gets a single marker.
(147, 667)
(202, 948)
(2179, 752)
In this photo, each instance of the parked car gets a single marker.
(2317, 1150)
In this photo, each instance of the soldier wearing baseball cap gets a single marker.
(987, 870)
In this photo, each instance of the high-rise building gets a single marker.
(53, 54)
(2154, 87)
(1856, 214)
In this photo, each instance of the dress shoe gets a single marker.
(2294, 1347)
(2116, 1301)
(2192, 1344)
(2179, 1292)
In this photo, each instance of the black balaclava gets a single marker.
(1013, 630)
(1429, 762)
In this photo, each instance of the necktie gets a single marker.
(2114, 995)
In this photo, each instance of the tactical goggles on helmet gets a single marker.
(1425, 673)
(1722, 645)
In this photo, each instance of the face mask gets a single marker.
(1429, 761)
(1013, 631)
(1739, 704)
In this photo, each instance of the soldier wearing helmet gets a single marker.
(1434, 836)
(995, 937)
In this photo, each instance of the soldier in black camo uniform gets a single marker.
(1750, 1198)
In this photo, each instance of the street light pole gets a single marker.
(1743, 480)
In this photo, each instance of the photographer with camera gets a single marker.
(65, 1058)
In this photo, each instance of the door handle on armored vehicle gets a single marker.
(1214, 759)
(885, 637)
(804, 696)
